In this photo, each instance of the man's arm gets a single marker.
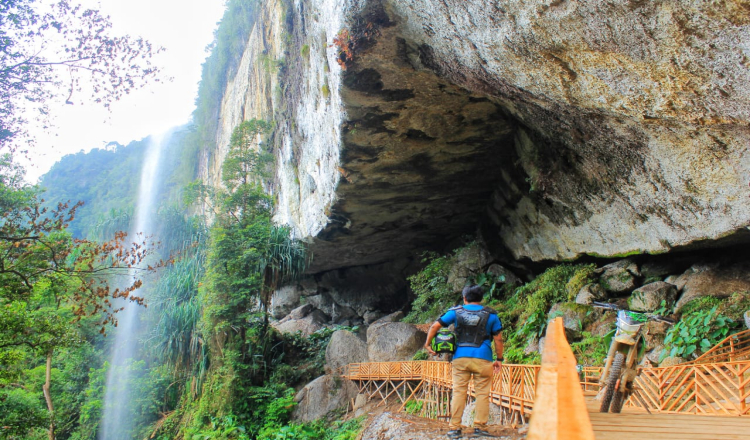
(499, 348)
(431, 335)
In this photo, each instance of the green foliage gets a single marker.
(421, 355)
(553, 286)
(319, 430)
(414, 407)
(430, 285)
(590, 350)
(698, 331)
(305, 51)
(21, 412)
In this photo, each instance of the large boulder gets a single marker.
(713, 280)
(323, 395)
(394, 341)
(620, 276)
(284, 301)
(344, 348)
(650, 297)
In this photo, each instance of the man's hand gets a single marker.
(429, 349)
(496, 367)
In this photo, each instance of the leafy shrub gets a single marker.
(697, 332)
(414, 407)
(430, 285)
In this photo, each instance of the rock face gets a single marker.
(344, 348)
(560, 128)
(321, 396)
(394, 341)
(650, 297)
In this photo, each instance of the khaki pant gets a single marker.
(463, 370)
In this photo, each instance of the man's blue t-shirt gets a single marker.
(485, 350)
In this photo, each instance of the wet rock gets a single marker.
(344, 348)
(504, 274)
(321, 396)
(284, 301)
(590, 293)
(468, 262)
(575, 316)
(619, 277)
(650, 297)
(713, 280)
(394, 341)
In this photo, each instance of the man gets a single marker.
(476, 327)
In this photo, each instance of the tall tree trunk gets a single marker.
(48, 396)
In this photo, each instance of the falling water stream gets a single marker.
(116, 424)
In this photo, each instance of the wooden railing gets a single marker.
(560, 410)
(717, 383)
(512, 389)
(735, 347)
(707, 388)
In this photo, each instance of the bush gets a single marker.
(698, 331)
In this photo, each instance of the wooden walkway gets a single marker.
(636, 424)
(705, 399)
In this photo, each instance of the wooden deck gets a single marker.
(636, 424)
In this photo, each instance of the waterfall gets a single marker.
(116, 424)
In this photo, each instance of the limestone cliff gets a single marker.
(561, 127)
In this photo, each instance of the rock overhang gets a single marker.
(560, 136)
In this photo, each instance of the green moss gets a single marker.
(326, 91)
(736, 305)
(305, 51)
(584, 275)
(702, 304)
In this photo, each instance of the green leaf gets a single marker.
(690, 349)
(705, 344)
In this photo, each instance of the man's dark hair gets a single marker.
(473, 293)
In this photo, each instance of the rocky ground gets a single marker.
(390, 425)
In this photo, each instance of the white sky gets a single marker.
(184, 28)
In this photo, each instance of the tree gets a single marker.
(50, 281)
(60, 53)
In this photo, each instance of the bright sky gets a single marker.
(184, 28)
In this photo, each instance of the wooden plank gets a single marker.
(559, 408)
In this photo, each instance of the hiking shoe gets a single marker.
(454, 433)
(482, 433)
